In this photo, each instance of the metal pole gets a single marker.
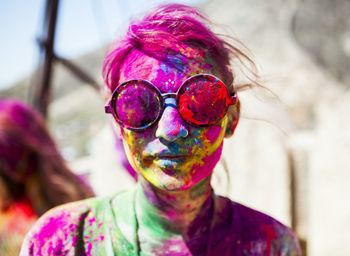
(79, 72)
(42, 90)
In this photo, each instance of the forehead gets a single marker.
(167, 74)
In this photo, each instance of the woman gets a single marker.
(33, 175)
(174, 101)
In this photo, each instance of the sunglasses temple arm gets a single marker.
(232, 99)
(108, 108)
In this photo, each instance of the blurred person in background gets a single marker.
(173, 96)
(33, 175)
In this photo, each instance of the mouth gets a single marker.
(166, 155)
(170, 157)
(168, 162)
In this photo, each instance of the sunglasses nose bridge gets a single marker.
(170, 125)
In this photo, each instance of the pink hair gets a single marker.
(168, 26)
(27, 148)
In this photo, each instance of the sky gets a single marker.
(82, 26)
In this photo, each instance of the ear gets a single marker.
(233, 118)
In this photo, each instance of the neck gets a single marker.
(174, 211)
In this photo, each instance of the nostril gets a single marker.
(171, 126)
(171, 131)
(183, 133)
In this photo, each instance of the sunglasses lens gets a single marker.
(203, 100)
(137, 105)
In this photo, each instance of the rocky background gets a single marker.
(290, 155)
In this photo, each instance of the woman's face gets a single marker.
(172, 154)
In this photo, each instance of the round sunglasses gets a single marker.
(202, 100)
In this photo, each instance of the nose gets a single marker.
(171, 126)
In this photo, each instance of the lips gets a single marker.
(166, 160)
(172, 152)
(170, 156)
(169, 163)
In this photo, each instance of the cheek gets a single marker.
(210, 148)
(214, 135)
(135, 142)
(209, 162)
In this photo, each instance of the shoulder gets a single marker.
(258, 233)
(59, 230)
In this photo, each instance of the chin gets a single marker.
(167, 180)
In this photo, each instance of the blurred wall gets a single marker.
(302, 49)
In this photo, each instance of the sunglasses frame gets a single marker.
(161, 97)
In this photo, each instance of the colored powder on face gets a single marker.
(177, 61)
(204, 170)
(171, 126)
(213, 133)
(170, 135)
